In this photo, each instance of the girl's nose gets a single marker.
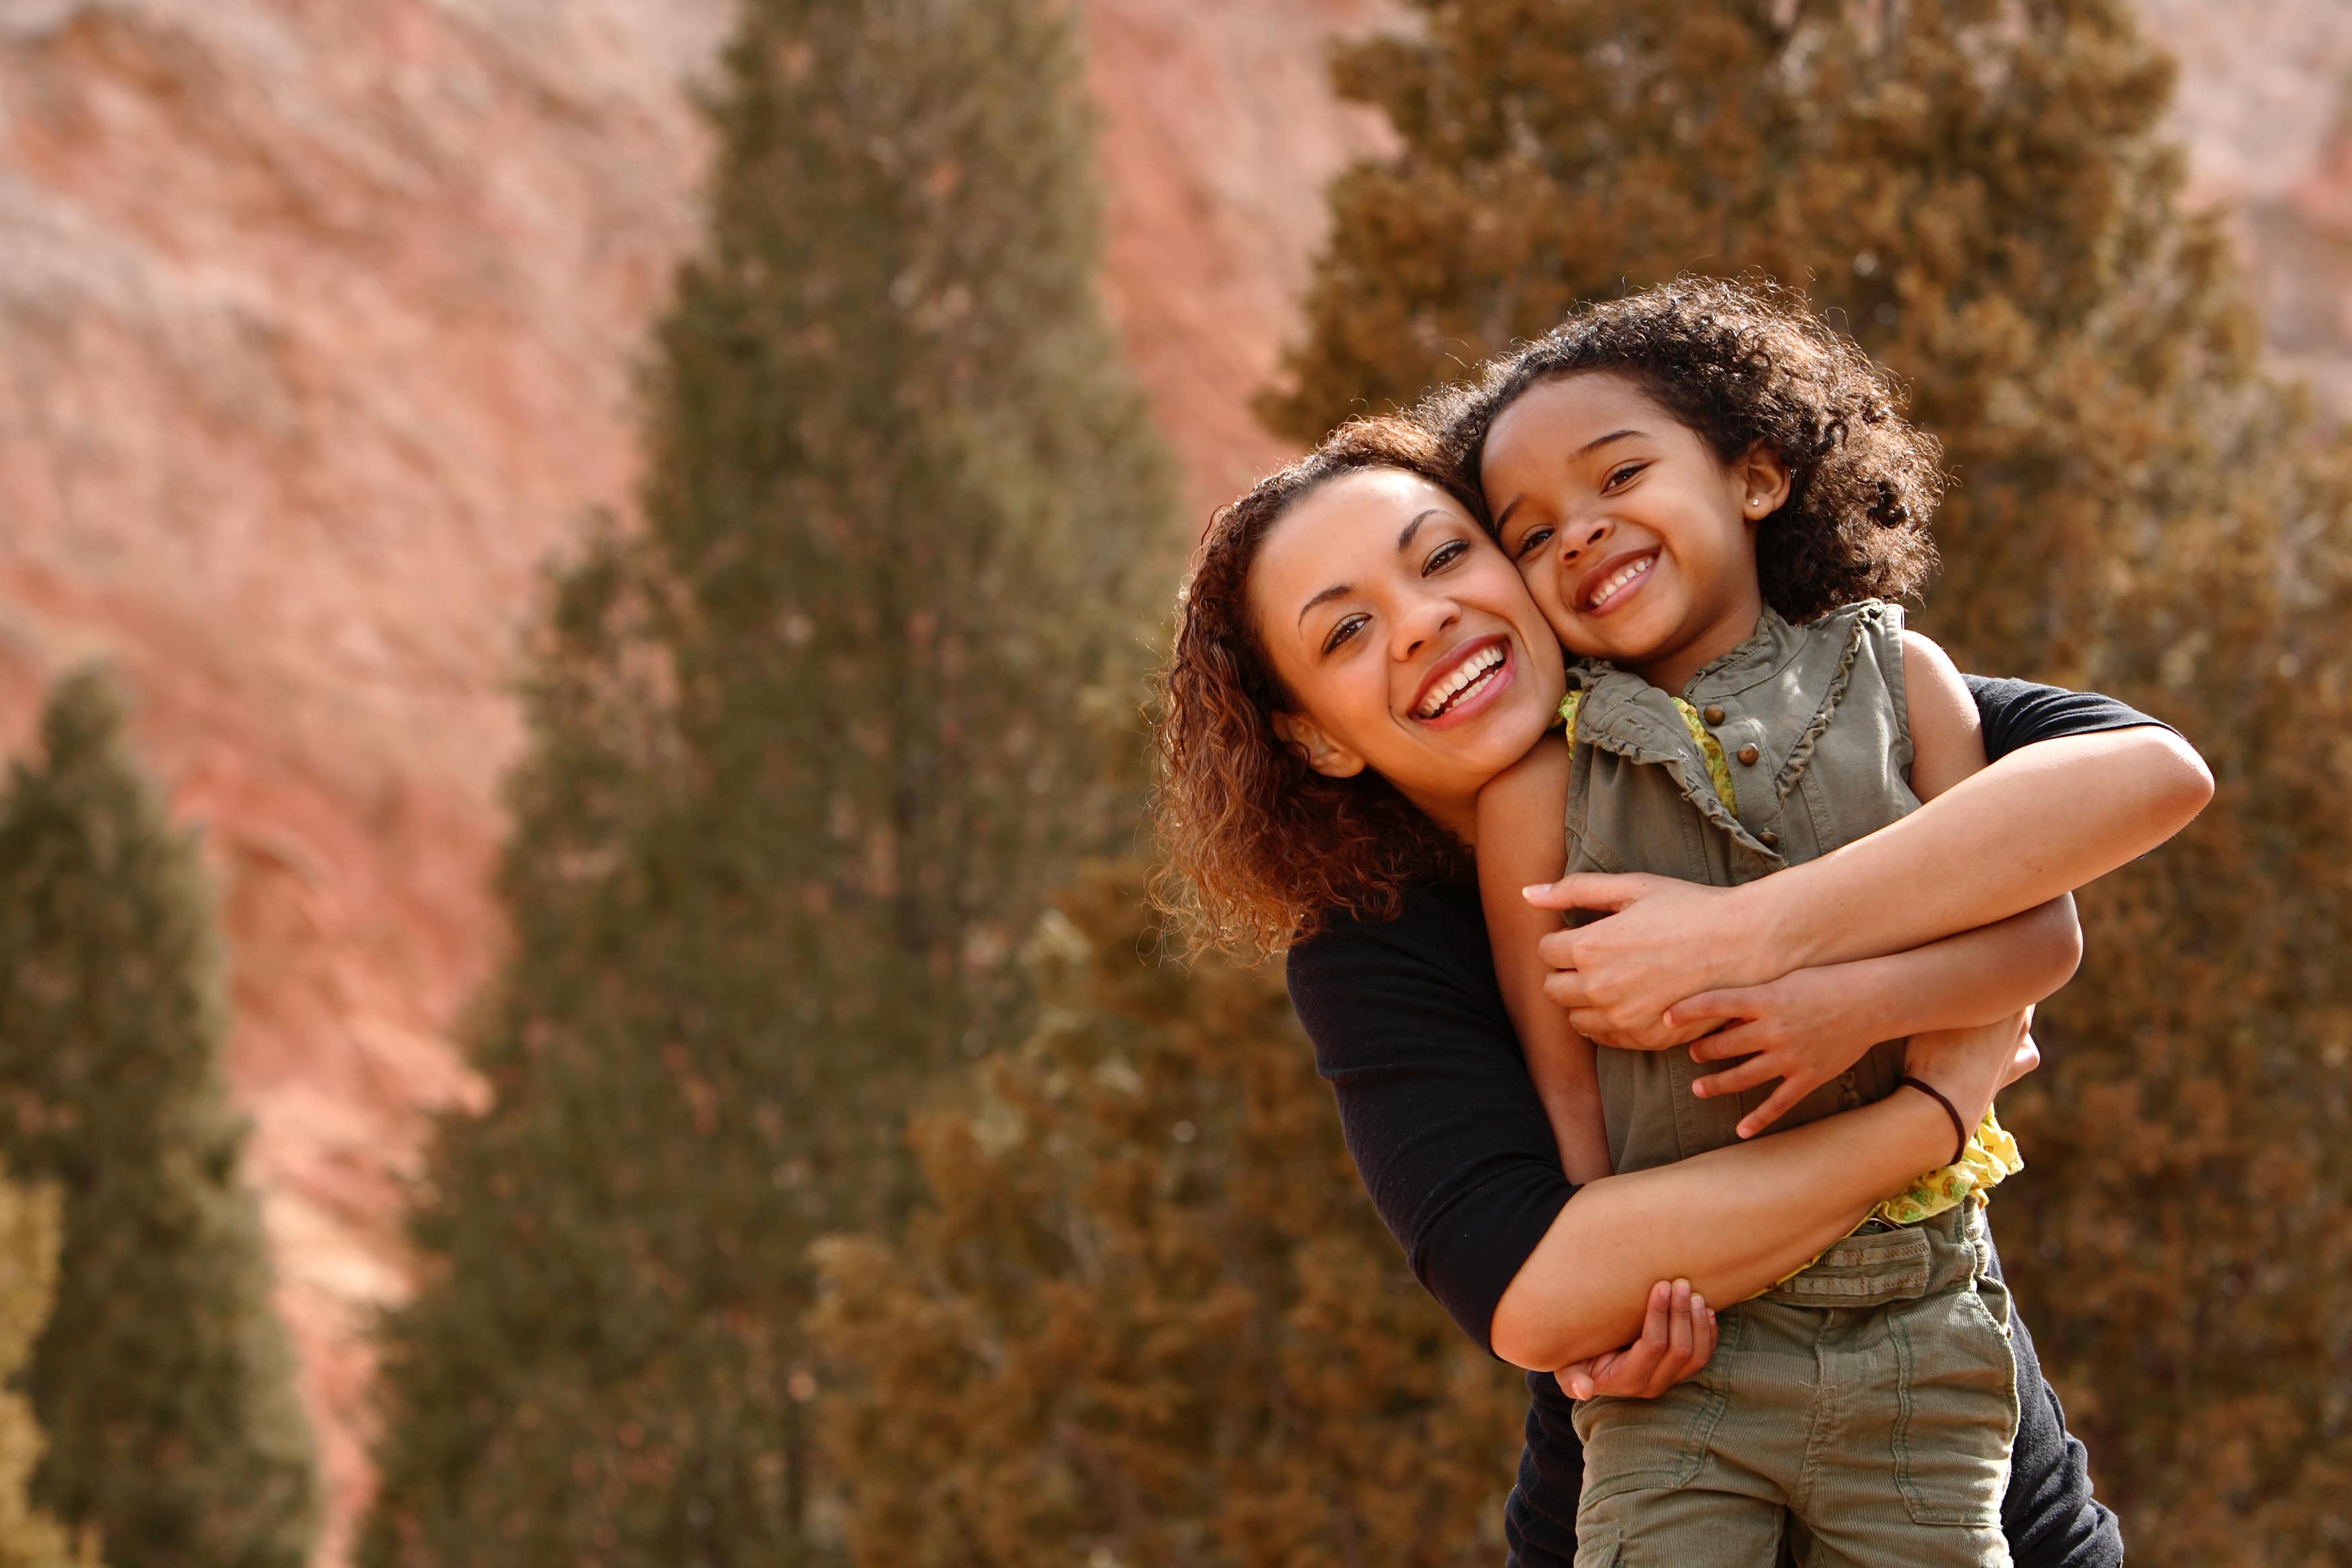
(1578, 538)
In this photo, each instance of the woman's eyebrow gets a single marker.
(1336, 591)
(1405, 536)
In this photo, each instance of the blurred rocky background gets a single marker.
(321, 326)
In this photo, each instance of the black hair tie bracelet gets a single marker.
(1959, 1128)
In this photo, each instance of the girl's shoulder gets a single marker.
(1882, 616)
(1866, 633)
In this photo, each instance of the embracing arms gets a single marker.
(1457, 1152)
(1812, 1024)
(1454, 1147)
(2038, 823)
(1992, 847)
(1802, 1029)
(1734, 1220)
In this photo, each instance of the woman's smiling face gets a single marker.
(1406, 639)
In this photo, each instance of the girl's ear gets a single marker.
(1764, 481)
(1323, 754)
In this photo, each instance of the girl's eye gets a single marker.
(1347, 628)
(1622, 476)
(1442, 556)
(1531, 541)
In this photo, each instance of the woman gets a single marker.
(1307, 811)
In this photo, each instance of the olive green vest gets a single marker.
(1811, 724)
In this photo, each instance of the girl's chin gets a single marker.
(1635, 641)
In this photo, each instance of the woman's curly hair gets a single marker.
(1258, 850)
(1745, 364)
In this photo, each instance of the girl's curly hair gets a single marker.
(1745, 364)
(1259, 849)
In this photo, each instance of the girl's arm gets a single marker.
(1947, 732)
(1519, 842)
(1734, 1220)
(1810, 1026)
(2040, 822)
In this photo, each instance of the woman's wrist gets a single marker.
(1907, 1133)
(1781, 926)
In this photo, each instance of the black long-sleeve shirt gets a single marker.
(1453, 1144)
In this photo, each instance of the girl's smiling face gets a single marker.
(1406, 640)
(1637, 542)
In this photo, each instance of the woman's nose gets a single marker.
(1426, 620)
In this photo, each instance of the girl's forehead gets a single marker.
(1557, 417)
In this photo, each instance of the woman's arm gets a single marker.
(1808, 1026)
(1734, 1220)
(1519, 842)
(2038, 822)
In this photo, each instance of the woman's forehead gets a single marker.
(1348, 525)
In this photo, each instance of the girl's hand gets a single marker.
(1803, 1028)
(2025, 1058)
(1677, 1339)
(1663, 940)
(1970, 1065)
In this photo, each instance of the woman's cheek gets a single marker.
(1368, 698)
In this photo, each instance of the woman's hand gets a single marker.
(1661, 940)
(1804, 1029)
(1677, 1339)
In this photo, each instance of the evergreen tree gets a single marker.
(164, 1380)
(806, 751)
(1146, 1316)
(28, 1282)
(1979, 190)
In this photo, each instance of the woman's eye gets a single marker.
(1532, 541)
(1622, 476)
(1343, 631)
(1442, 556)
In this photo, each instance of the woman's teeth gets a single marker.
(1618, 579)
(1473, 673)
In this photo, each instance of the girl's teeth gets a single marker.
(1617, 580)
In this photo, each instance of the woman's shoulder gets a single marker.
(1434, 920)
(1358, 976)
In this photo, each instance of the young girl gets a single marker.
(1712, 499)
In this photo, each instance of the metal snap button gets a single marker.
(1712, 712)
(1747, 755)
